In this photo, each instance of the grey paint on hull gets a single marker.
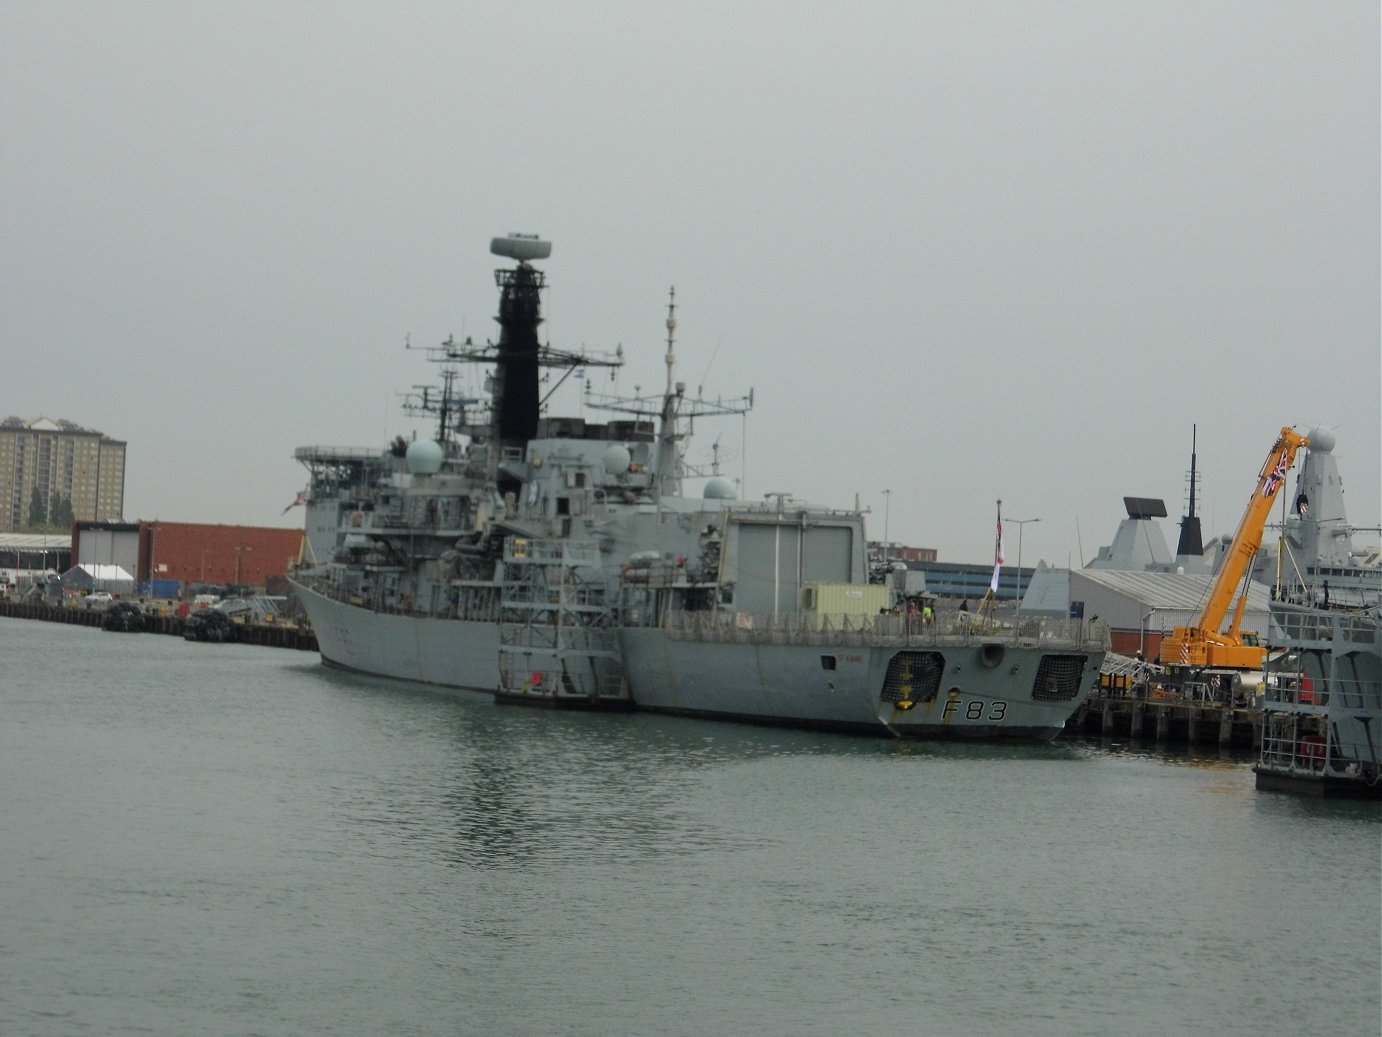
(779, 685)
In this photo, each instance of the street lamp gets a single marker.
(1019, 523)
(887, 507)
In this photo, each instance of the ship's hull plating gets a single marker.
(445, 652)
(803, 686)
(839, 688)
(1323, 786)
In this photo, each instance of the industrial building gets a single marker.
(1140, 608)
(55, 472)
(25, 557)
(189, 553)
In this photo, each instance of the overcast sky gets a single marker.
(960, 251)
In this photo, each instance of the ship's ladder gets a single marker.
(558, 642)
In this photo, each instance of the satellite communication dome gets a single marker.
(718, 489)
(1321, 439)
(617, 459)
(424, 457)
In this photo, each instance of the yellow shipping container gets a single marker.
(844, 599)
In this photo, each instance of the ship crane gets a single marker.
(1206, 644)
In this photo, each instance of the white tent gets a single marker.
(95, 577)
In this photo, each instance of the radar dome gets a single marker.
(617, 459)
(522, 247)
(424, 457)
(719, 489)
(1321, 439)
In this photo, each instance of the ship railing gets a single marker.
(1287, 748)
(1318, 625)
(534, 550)
(944, 630)
(337, 453)
(1292, 754)
(483, 606)
(1294, 689)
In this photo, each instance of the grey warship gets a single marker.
(559, 561)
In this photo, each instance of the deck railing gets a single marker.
(1296, 689)
(944, 630)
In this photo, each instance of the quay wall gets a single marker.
(271, 635)
(1167, 721)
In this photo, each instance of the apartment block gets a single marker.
(66, 464)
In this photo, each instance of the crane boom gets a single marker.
(1204, 644)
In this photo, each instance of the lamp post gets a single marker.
(1019, 523)
(887, 507)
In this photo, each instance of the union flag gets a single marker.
(1277, 476)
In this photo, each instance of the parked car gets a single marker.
(98, 599)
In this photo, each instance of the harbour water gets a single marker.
(230, 840)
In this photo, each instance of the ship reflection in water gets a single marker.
(203, 833)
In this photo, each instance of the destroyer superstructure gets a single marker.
(558, 560)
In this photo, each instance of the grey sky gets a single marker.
(960, 250)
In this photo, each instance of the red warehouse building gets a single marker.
(251, 556)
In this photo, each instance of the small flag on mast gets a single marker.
(998, 558)
(301, 498)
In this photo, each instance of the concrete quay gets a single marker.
(271, 635)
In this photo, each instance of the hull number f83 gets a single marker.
(974, 710)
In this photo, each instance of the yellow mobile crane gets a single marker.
(1204, 644)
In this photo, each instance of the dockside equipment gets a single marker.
(1206, 644)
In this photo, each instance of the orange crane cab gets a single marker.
(1206, 644)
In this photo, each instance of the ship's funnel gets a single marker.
(516, 402)
(522, 247)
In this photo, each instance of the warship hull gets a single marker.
(450, 653)
(847, 688)
(816, 684)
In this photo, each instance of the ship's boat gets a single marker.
(559, 561)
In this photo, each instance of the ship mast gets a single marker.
(673, 409)
(516, 402)
(667, 466)
(1191, 542)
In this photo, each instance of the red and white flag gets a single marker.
(998, 558)
(301, 498)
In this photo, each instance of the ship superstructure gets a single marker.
(1317, 561)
